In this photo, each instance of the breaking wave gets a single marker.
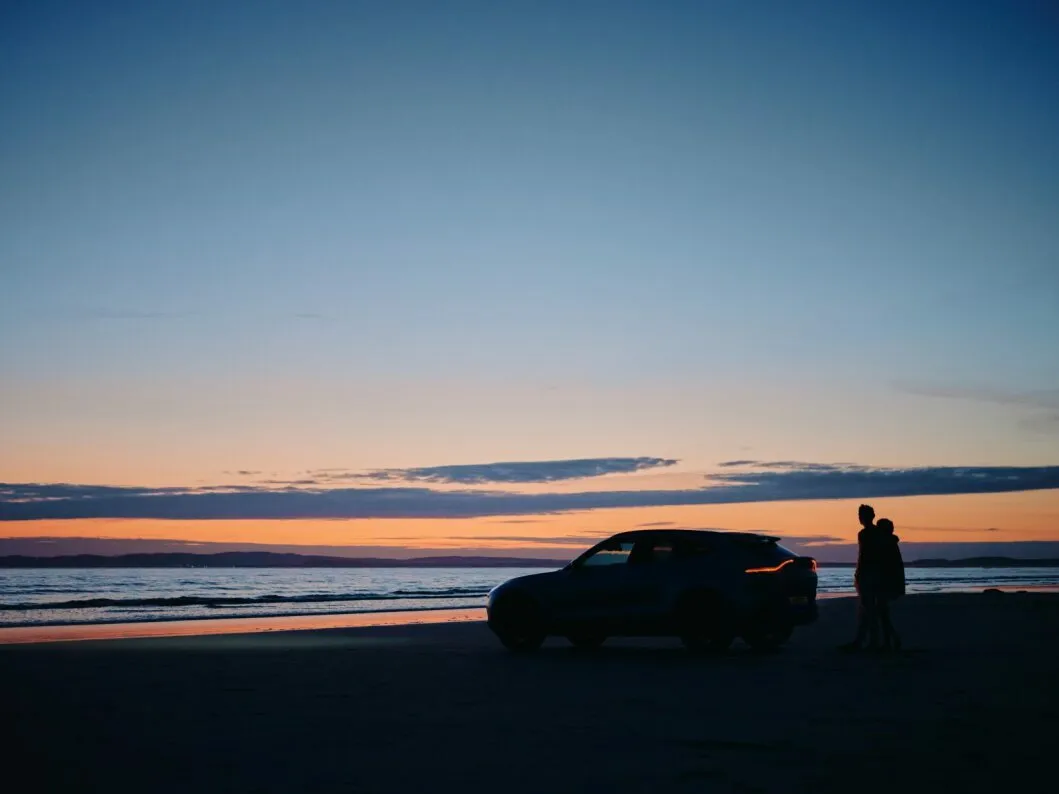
(232, 601)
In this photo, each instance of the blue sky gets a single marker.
(543, 189)
(285, 236)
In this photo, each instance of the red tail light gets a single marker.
(801, 562)
(773, 569)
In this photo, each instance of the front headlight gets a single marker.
(493, 594)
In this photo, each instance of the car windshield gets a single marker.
(610, 554)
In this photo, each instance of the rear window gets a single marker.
(753, 549)
(762, 550)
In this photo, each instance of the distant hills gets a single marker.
(966, 562)
(986, 562)
(267, 559)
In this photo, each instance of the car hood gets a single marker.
(528, 583)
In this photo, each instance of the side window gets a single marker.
(662, 551)
(694, 549)
(611, 554)
(652, 552)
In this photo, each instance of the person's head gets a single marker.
(886, 525)
(866, 514)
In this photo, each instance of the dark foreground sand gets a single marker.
(972, 705)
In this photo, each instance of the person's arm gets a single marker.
(860, 558)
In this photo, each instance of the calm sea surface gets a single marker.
(97, 595)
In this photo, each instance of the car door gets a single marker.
(595, 588)
(647, 582)
(621, 587)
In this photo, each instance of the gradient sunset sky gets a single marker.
(413, 277)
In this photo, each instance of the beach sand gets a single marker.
(971, 705)
(199, 627)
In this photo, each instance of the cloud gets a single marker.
(33, 501)
(1037, 398)
(1042, 404)
(795, 465)
(811, 540)
(132, 314)
(654, 524)
(30, 493)
(949, 529)
(591, 538)
(532, 540)
(1041, 423)
(519, 471)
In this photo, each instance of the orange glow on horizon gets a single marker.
(1007, 517)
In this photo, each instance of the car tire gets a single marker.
(705, 623)
(586, 641)
(768, 638)
(517, 623)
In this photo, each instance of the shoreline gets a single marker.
(309, 621)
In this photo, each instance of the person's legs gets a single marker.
(885, 626)
(891, 639)
(871, 618)
(863, 611)
(862, 625)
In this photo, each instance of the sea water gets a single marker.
(40, 596)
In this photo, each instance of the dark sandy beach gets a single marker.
(971, 705)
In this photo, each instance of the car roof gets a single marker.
(695, 533)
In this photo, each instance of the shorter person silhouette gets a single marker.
(891, 581)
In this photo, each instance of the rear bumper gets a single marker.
(787, 599)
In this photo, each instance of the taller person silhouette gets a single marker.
(868, 581)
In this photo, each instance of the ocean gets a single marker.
(37, 596)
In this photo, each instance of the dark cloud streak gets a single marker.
(27, 502)
(518, 471)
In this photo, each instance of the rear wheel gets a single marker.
(517, 622)
(586, 640)
(705, 623)
(768, 638)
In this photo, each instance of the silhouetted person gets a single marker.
(867, 579)
(892, 581)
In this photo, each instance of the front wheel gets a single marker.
(517, 623)
(768, 638)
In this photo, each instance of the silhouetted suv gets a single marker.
(705, 587)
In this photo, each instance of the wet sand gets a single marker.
(205, 626)
(970, 705)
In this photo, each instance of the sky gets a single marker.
(505, 277)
